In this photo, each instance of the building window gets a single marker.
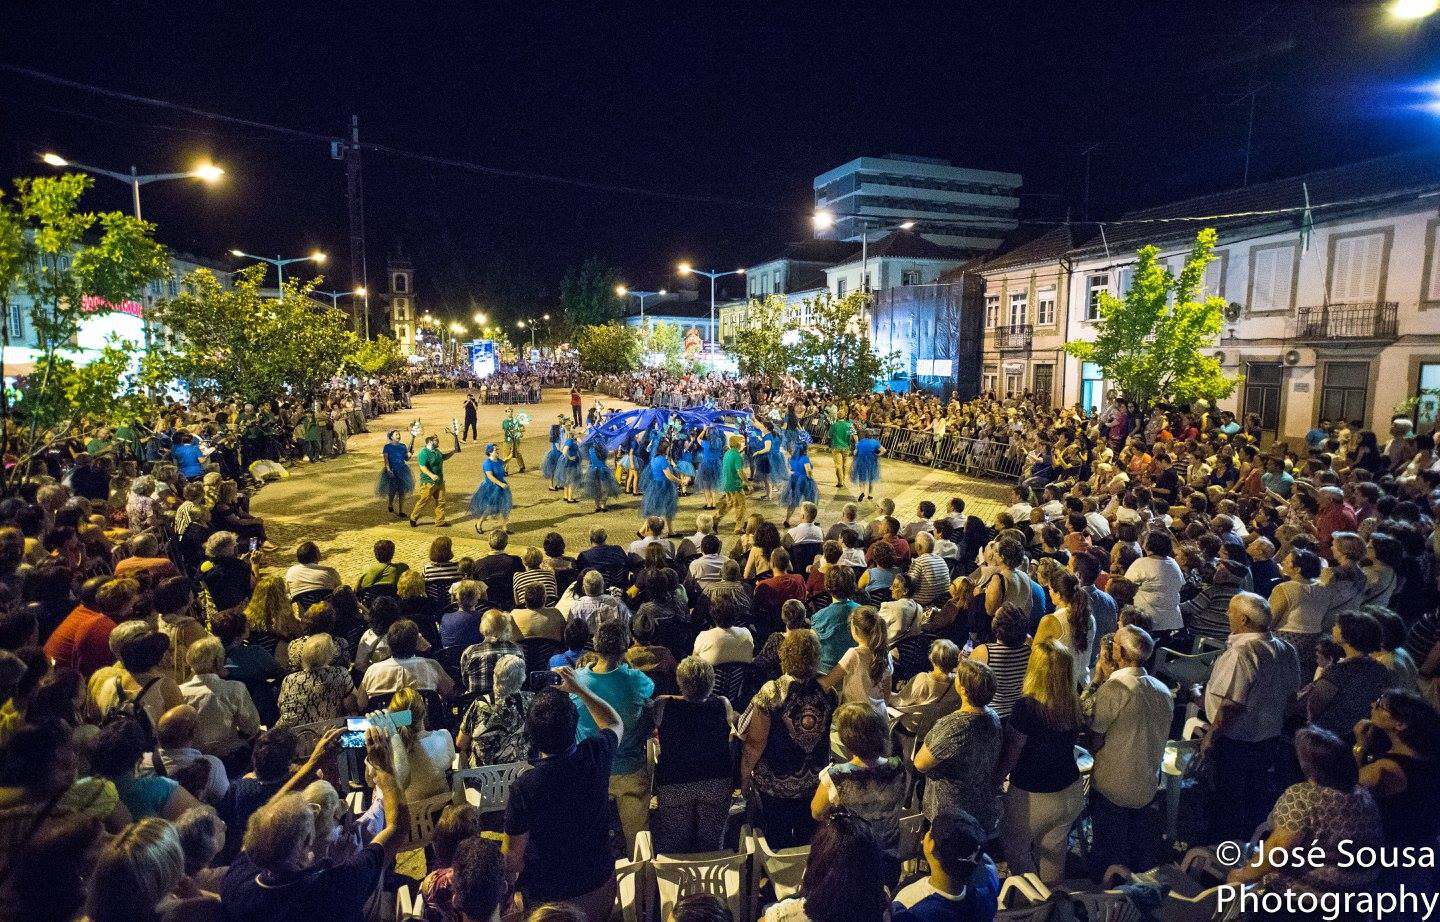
(992, 311)
(16, 319)
(174, 287)
(1045, 307)
(1019, 309)
(1263, 382)
(775, 281)
(1427, 405)
(989, 380)
(398, 282)
(1092, 386)
(1213, 284)
(840, 287)
(1343, 394)
(1126, 279)
(1272, 271)
(1356, 264)
(910, 277)
(1095, 284)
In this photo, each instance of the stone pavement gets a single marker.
(334, 504)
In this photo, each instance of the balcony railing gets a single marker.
(1015, 338)
(1347, 321)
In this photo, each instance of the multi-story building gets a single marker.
(895, 260)
(105, 323)
(1336, 321)
(954, 206)
(1024, 318)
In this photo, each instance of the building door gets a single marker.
(1092, 387)
(1013, 383)
(1343, 393)
(1044, 384)
(1262, 393)
(1427, 396)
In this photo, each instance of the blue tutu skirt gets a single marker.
(661, 498)
(488, 499)
(779, 470)
(401, 482)
(568, 473)
(550, 464)
(685, 469)
(600, 482)
(645, 477)
(799, 490)
(707, 475)
(792, 439)
(865, 470)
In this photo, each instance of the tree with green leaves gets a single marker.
(378, 356)
(1152, 341)
(607, 348)
(69, 264)
(668, 342)
(759, 346)
(235, 342)
(587, 295)
(834, 354)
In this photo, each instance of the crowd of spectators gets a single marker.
(1016, 682)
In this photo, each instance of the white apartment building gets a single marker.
(1342, 322)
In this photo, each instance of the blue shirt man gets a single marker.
(187, 459)
(626, 690)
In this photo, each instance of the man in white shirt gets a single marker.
(175, 734)
(596, 606)
(1130, 711)
(847, 522)
(654, 528)
(1053, 507)
(1246, 697)
(404, 668)
(704, 525)
(924, 512)
(306, 575)
(225, 715)
(709, 567)
(1020, 509)
(807, 530)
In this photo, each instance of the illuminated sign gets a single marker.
(94, 303)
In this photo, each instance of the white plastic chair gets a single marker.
(1025, 898)
(784, 867)
(408, 903)
(424, 814)
(632, 890)
(1106, 906)
(912, 849)
(487, 787)
(722, 874)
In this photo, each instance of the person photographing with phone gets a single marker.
(557, 823)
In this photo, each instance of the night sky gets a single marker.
(734, 101)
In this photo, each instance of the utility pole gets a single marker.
(1085, 203)
(355, 197)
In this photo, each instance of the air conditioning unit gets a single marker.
(1233, 311)
(1220, 357)
(1292, 357)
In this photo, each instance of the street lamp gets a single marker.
(206, 172)
(316, 257)
(825, 219)
(1413, 9)
(335, 296)
(687, 269)
(479, 318)
(624, 292)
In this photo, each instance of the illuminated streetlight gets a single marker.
(316, 257)
(479, 318)
(687, 269)
(1413, 9)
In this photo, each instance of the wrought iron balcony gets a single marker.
(1014, 338)
(1377, 320)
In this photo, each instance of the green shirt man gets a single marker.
(731, 468)
(841, 435)
(432, 464)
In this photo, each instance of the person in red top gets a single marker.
(1335, 515)
(82, 640)
(892, 537)
(575, 403)
(145, 557)
(772, 592)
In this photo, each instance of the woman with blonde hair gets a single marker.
(270, 612)
(421, 757)
(136, 874)
(1046, 792)
(320, 690)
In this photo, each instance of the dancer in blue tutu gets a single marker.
(600, 477)
(682, 458)
(644, 451)
(866, 468)
(764, 456)
(778, 470)
(396, 482)
(662, 493)
(707, 471)
(793, 433)
(626, 465)
(800, 487)
(569, 469)
(551, 465)
(492, 497)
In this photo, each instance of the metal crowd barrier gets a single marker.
(978, 457)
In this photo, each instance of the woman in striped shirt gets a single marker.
(1007, 655)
